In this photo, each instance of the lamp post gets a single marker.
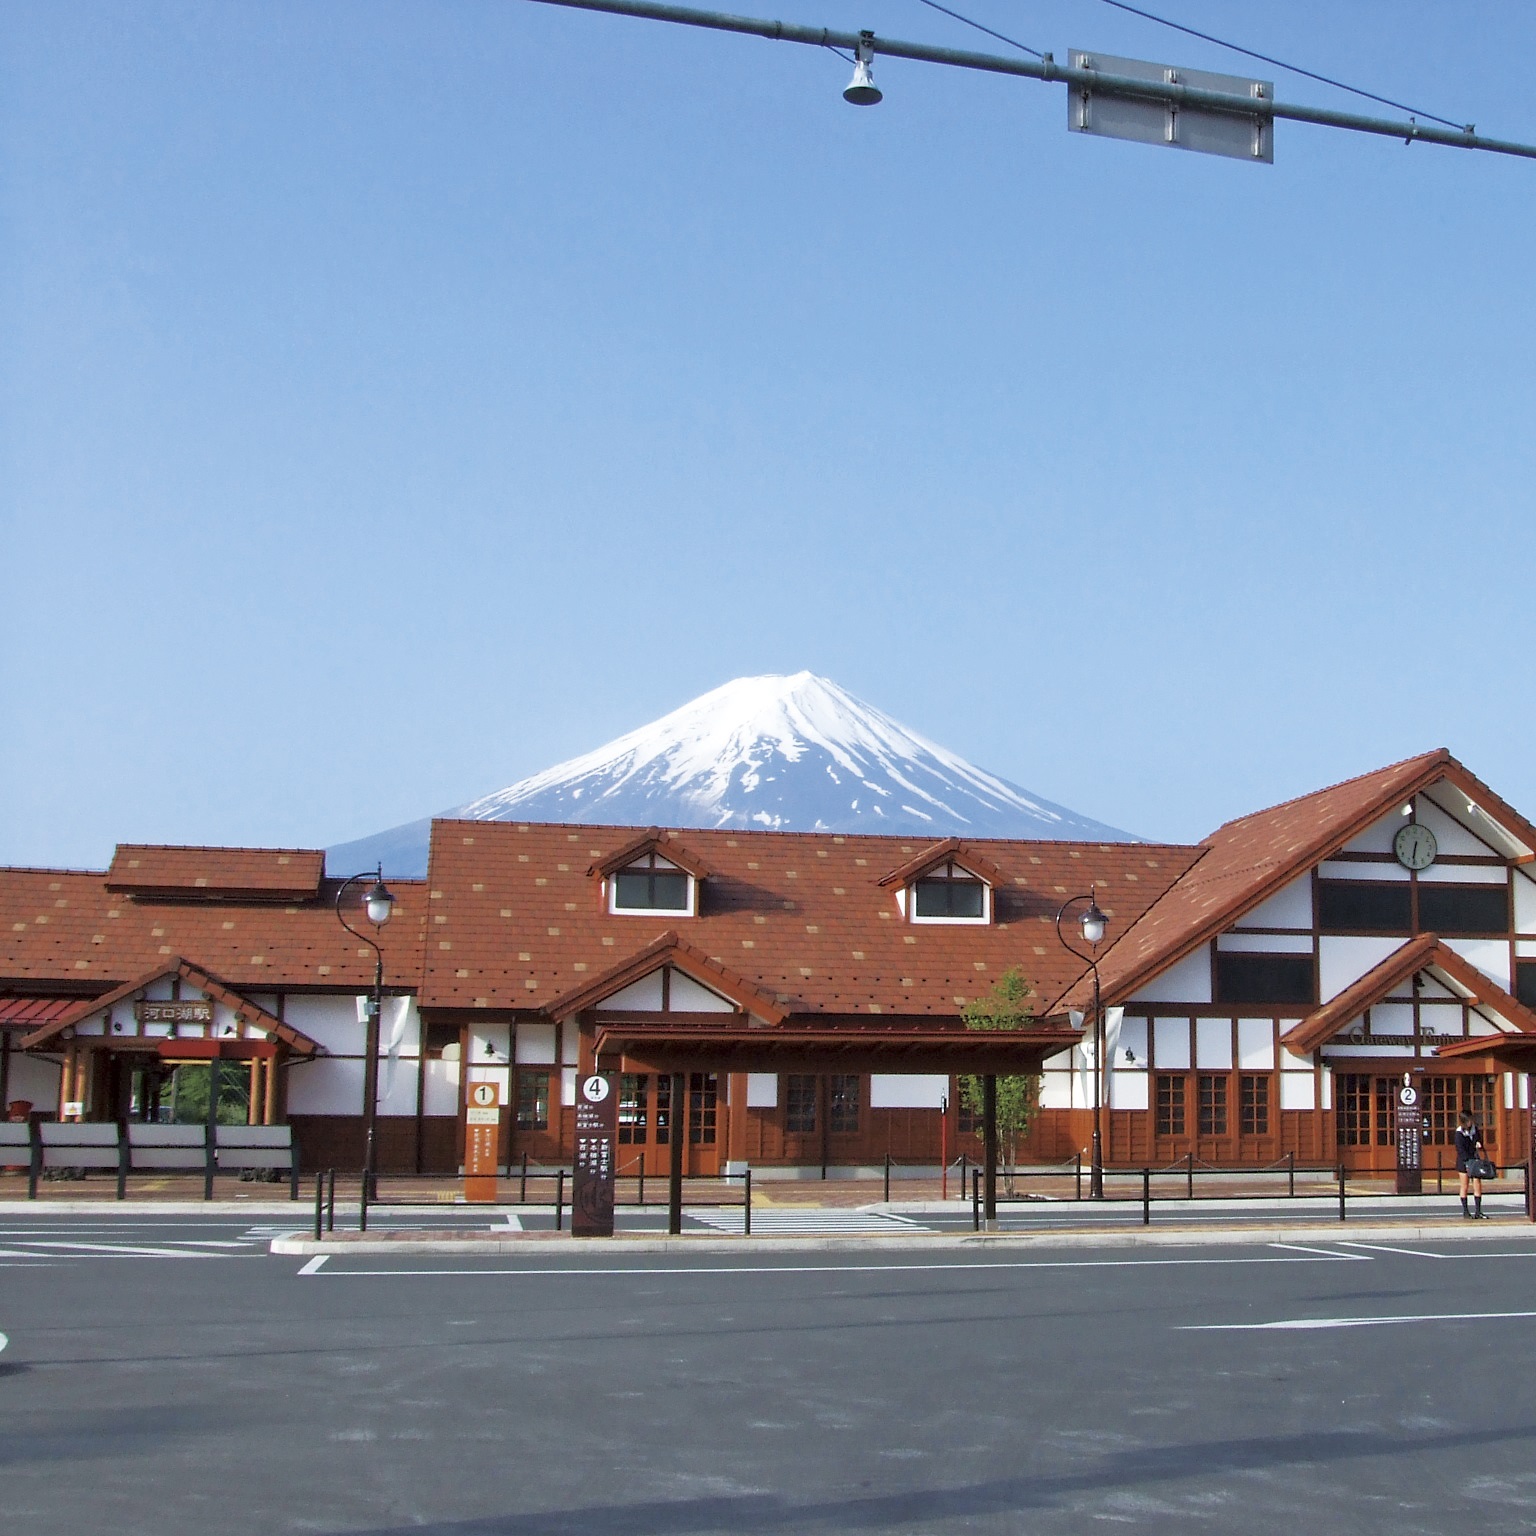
(378, 903)
(1094, 924)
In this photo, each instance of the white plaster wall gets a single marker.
(762, 1090)
(1490, 956)
(1298, 1090)
(1133, 1038)
(568, 1085)
(1525, 903)
(1442, 1018)
(1187, 982)
(1450, 834)
(34, 1078)
(490, 1045)
(397, 1088)
(895, 1090)
(1388, 869)
(1392, 1019)
(643, 996)
(687, 996)
(1345, 960)
(1170, 1044)
(1287, 908)
(500, 1076)
(1056, 1090)
(1465, 874)
(1377, 838)
(535, 1045)
(329, 1020)
(1255, 1045)
(1127, 1090)
(328, 1085)
(1213, 1044)
(1265, 943)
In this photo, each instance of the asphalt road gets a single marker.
(201, 1385)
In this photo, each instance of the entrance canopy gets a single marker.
(648, 1047)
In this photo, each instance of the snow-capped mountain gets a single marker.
(782, 753)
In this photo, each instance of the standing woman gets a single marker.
(1469, 1160)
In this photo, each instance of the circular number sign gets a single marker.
(483, 1095)
(595, 1089)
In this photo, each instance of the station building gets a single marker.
(1264, 990)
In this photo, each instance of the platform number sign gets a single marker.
(597, 1127)
(1410, 1135)
(482, 1134)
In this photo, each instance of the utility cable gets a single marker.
(933, 5)
(1264, 58)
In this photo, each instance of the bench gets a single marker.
(258, 1148)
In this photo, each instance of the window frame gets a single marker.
(652, 864)
(948, 870)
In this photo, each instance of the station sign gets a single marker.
(597, 1134)
(482, 1134)
(1410, 1134)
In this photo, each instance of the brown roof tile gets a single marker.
(153, 869)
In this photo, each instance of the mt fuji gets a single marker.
(794, 754)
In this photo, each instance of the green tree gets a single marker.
(1006, 1006)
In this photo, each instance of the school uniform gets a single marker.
(1469, 1145)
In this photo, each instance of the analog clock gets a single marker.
(1415, 846)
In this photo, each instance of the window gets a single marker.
(663, 1108)
(949, 894)
(634, 1093)
(651, 884)
(1350, 906)
(703, 1095)
(1246, 978)
(439, 1037)
(968, 1121)
(533, 1101)
(1525, 982)
(1213, 1105)
(842, 1103)
(1354, 1109)
(1170, 1105)
(1463, 909)
(800, 1103)
(1253, 1103)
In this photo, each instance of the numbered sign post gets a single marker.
(1410, 1135)
(482, 1131)
(597, 1133)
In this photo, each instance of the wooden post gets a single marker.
(676, 1130)
(989, 1134)
(5, 1070)
(253, 1094)
(211, 1129)
(269, 1108)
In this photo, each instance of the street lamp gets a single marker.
(378, 904)
(1093, 924)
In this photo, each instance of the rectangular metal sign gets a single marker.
(1180, 125)
(1410, 1134)
(183, 1011)
(597, 1134)
(482, 1135)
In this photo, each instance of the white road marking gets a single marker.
(313, 1267)
(1469, 1253)
(1411, 1253)
(1326, 1252)
(215, 1242)
(117, 1250)
(837, 1269)
(514, 1221)
(1304, 1324)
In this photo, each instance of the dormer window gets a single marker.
(651, 884)
(950, 893)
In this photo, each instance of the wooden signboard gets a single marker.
(482, 1133)
(1410, 1134)
(597, 1134)
(188, 1011)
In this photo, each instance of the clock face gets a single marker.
(1415, 846)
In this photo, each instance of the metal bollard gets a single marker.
(319, 1203)
(559, 1199)
(746, 1219)
(1189, 1177)
(1146, 1197)
(362, 1203)
(522, 1188)
(1079, 1194)
(976, 1199)
(1292, 1176)
(887, 1178)
(1341, 1192)
(330, 1200)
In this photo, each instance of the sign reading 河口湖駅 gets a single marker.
(597, 1128)
(482, 1135)
(192, 1010)
(1410, 1134)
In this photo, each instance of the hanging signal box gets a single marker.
(1114, 111)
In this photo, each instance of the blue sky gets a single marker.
(397, 398)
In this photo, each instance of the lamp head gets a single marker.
(379, 902)
(1094, 923)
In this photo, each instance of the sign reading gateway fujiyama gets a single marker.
(482, 1132)
(1410, 1135)
(597, 1130)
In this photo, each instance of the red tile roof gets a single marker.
(278, 874)
(517, 925)
(652, 840)
(1248, 860)
(32, 1012)
(1425, 952)
(967, 854)
(66, 930)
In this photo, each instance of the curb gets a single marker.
(531, 1244)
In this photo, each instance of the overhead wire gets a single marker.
(1295, 69)
(933, 5)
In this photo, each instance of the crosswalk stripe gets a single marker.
(119, 1250)
(805, 1223)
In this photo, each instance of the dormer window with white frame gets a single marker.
(652, 885)
(949, 893)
